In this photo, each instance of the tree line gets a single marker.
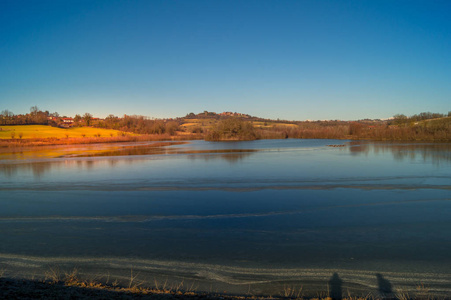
(36, 116)
(140, 125)
(39, 117)
(134, 124)
(401, 119)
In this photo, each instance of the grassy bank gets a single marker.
(71, 287)
(69, 283)
(75, 289)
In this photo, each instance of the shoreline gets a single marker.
(202, 279)
(56, 284)
(31, 143)
(73, 288)
(77, 289)
(22, 143)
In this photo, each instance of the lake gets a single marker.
(265, 217)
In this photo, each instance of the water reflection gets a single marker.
(232, 158)
(435, 153)
(154, 149)
(91, 150)
(38, 161)
(39, 168)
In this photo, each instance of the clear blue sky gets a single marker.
(292, 60)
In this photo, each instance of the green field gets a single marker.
(43, 131)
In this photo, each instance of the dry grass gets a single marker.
(422, 291)
(44, 131)
(53, 275)
(292, 292)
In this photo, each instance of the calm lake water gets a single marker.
(241, 217)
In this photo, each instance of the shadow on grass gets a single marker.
(385, 287)
(335, 286)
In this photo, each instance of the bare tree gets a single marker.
(6, 117)
(87, 117)
(77, 118)
(34, 110)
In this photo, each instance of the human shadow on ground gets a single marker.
(335, 287)
(384, 287)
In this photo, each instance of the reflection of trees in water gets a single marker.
(229, 157)
(144, 150)
(112, 162)
(89, 164)
(359, 149)
(37, 169)
(8, 170)
(435, 153)
(92, 150)
(40, 168)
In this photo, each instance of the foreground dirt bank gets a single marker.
(34, 289)
(75, 289)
